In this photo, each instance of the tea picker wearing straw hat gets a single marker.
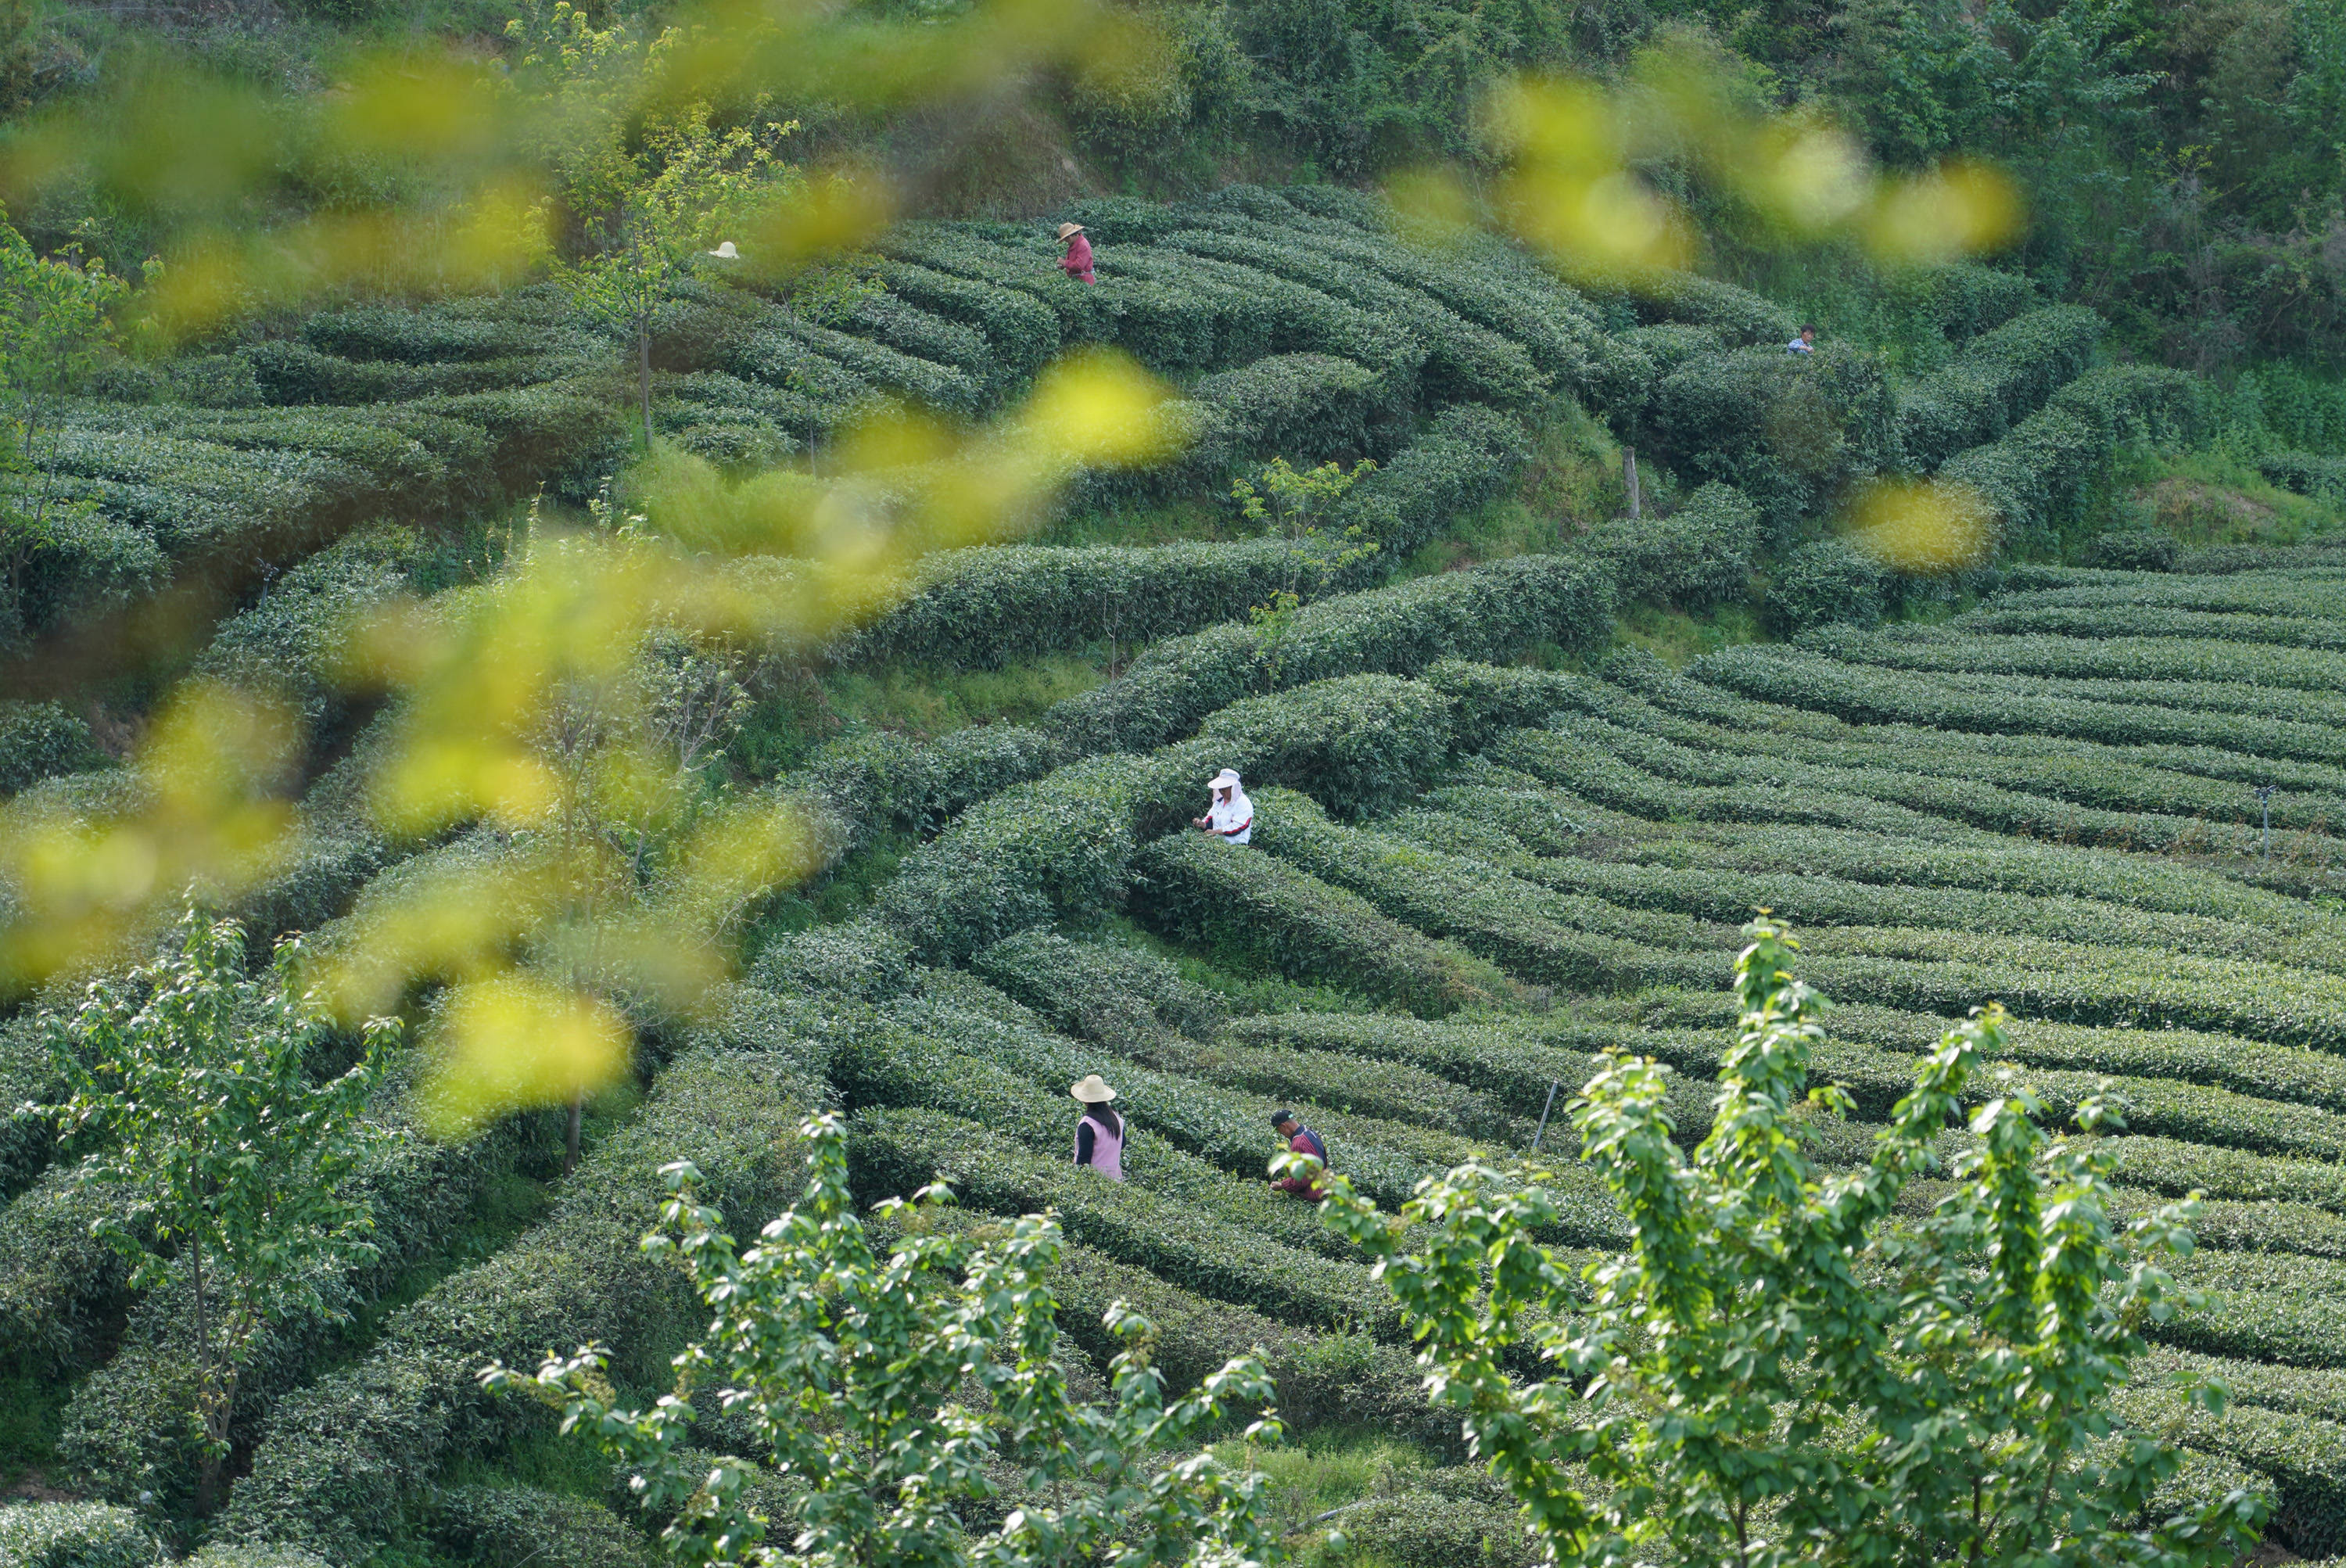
(1230, 816)
(1079, 258)
(1099, 1136)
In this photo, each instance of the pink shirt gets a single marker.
(1079, 258)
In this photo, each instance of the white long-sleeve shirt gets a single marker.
(1232, 820)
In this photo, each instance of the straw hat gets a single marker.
(1067, 230)
(727, 251)
(1092, 1090)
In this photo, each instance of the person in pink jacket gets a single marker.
(1079, 258)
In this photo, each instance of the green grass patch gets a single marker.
(1163, 523)
(797, 711)
(2210, 497)
(1679, 638)
(1324, 1471)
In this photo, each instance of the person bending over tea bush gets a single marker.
(1783, 1368)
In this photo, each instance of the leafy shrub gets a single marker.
(342, 1455)
(1826, 580)
(2135, 550)
(74, 1536)
(1489, 611)
(2305, 473)
(1742, 316)
(1308, 405)
(493, 1525)
(878, 782)
(1361, 743)
(226, 1555)
(1786, 428)
(1697, 556)
(1997, 379)
(39, 739)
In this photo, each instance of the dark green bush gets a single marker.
(494, 1526)
(1999, 378)
(1823, 582)
(1788, 430)
(1490, 611)
(2135, 550)
(1361, 743)
(40, 739)
(2305, 473)
(1700, 555)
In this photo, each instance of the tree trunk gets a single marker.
(1629, 479)
(570, 1136)
(644, 362)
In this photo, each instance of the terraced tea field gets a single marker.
(1490, 845)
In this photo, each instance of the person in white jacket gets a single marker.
(1230, 816)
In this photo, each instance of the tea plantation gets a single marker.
(1493, 837)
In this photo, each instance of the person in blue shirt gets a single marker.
(1806, 343)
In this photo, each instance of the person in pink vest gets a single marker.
(1099, 1136)
(1301, 1140)
(1079, 258)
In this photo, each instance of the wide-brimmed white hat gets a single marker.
(1227, 779)
(1092, 1090)
(1065, 229)
(727, 251)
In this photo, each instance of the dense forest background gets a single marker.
(2185, 164)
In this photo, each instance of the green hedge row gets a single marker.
(1956, 650)
(1729, 895)
(75, 1535)
(881, 781)
(1482, 612)
(1324, 1379)
(2176, 1129)
(1061, 846)
(1988, 866)
(1496, 287)
(2033, 480)
(913, 1065)
(1741, 315)
(898, 1151)
(41, 739)
(126, 1427)
(1261, 914)
(493, 1525)
(2306, 473)
(2303, 1458)
(979, 606)
(1796, 677)
(2178, 791)
(1507, 1059)
(1100, 990)
(2279, 592)
(1997, 378)
(2273, 1307)
(1788, 430)
(2255, 1068)
(1950, 972)
(1228, 1131)
(1464, 362)
(1555, 939)
(343, 1458)
(290, 640)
